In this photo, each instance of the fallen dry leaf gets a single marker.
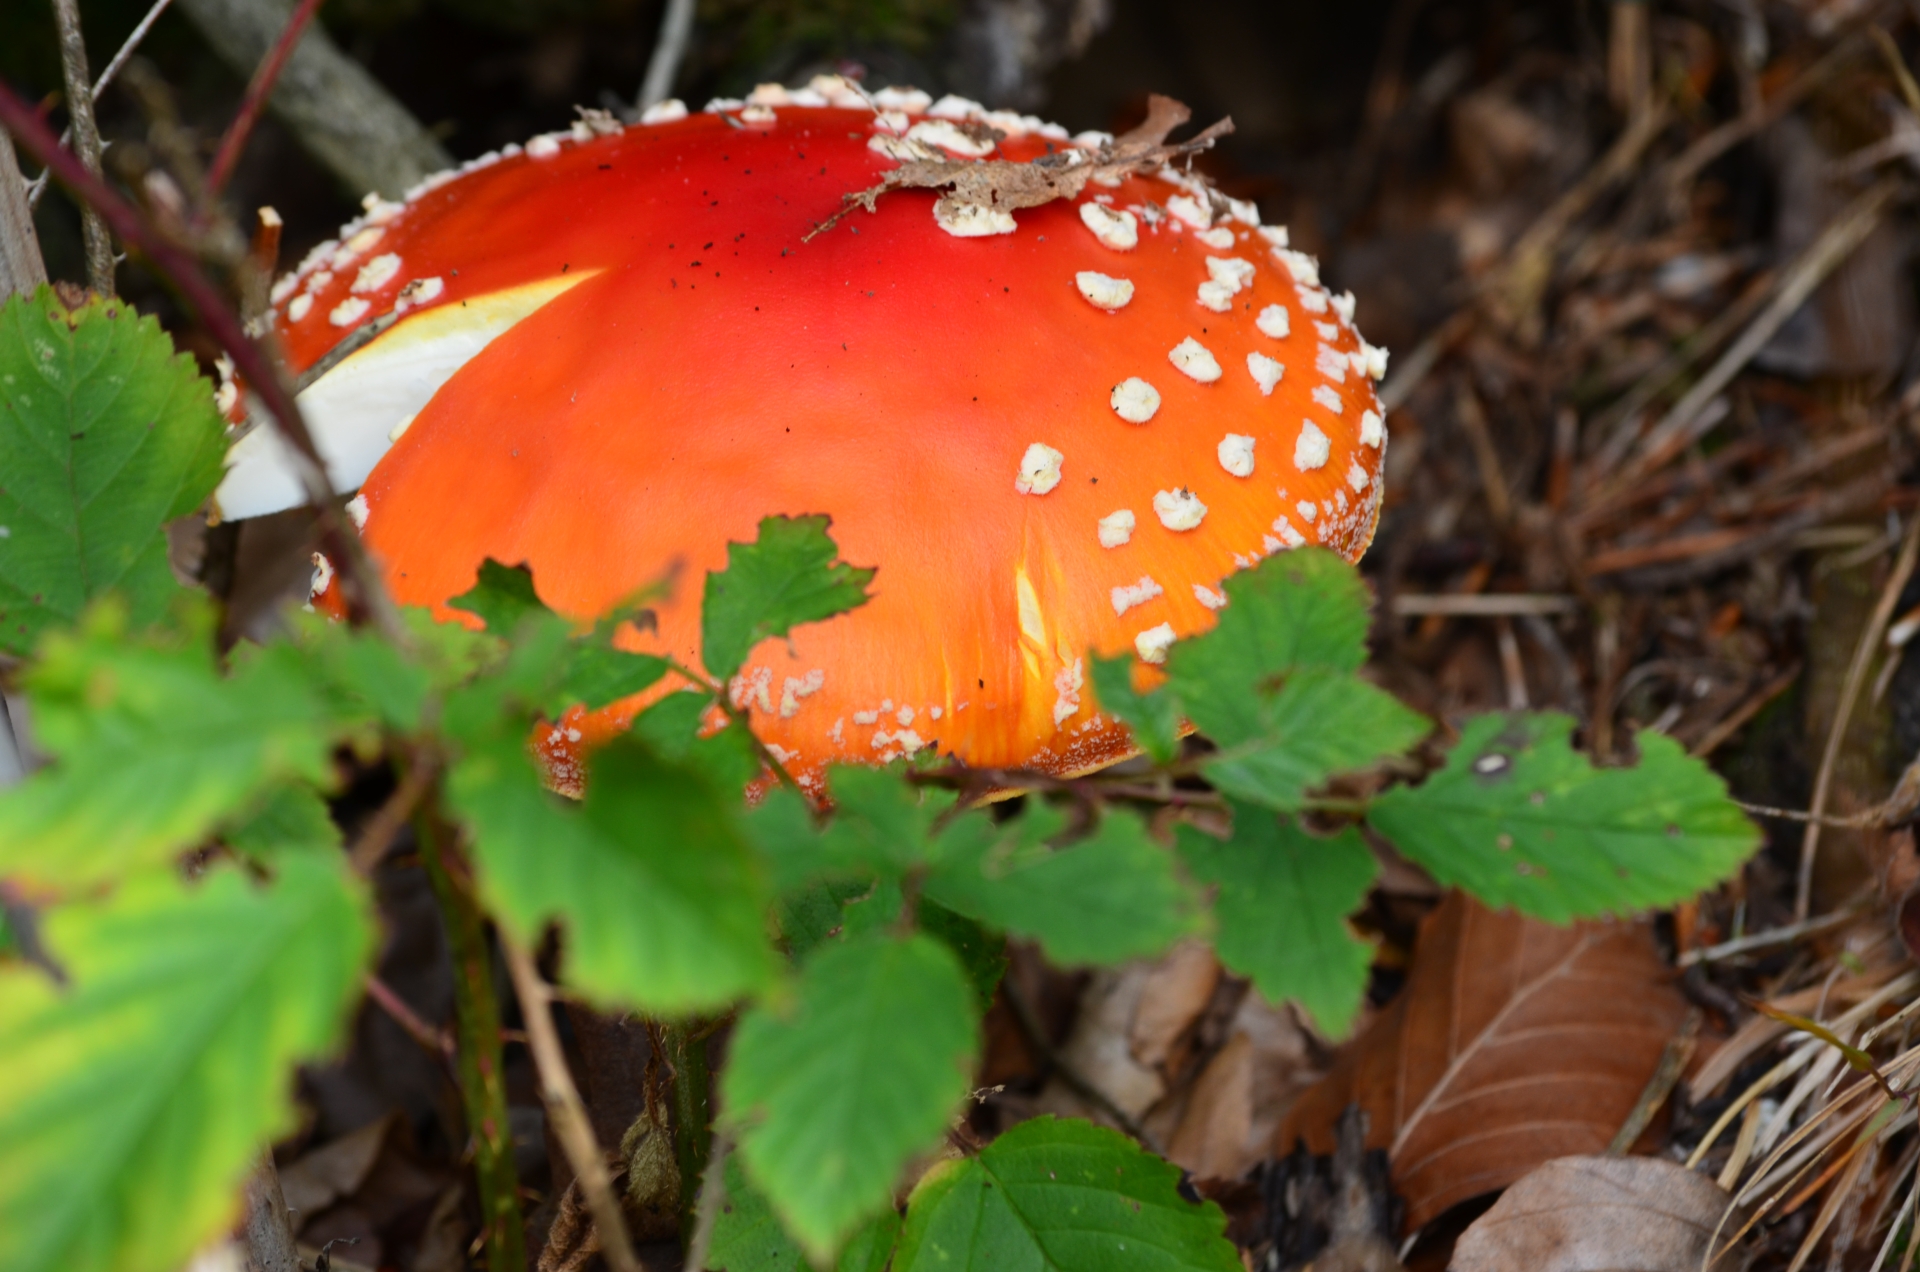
(1514, 1042)
(1598, 1214)
(332, 1171)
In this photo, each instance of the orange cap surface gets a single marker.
(1050, 441)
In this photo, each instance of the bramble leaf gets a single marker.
(291, 818)
(787, 576)
(1055, 1195)
(831, 1096)
(106, 434)
(1109, 896)
(1277, 741)
(139, 1095)
(1519, 818)
(155, 748)
(1281, 910)
(880, 822)
(1153, 717)
(748, 1238)
(659, 897)
(502, 597)
(671, 727)
(1305, 608)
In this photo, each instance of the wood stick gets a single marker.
(1849, 694)
(86, 141)
(339, 113)
(570, 1122)
(21, 266)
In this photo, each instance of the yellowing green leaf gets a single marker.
(1281, 907)
(831, 1093)
(660, 900)
(106, 434)
(1054, 1195)
(138, 1095)
(155, 749)
(1519, 818)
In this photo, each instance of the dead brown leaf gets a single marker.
(1005, 185)
(1598, 1214)
(1513, 1043)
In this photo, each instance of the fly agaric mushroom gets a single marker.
(1055, 395)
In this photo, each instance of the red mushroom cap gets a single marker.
(1053, 433)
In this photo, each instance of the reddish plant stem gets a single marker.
(364, 598)
(258, 90)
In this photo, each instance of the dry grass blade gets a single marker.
(1849, 694)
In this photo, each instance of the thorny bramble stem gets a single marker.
(255, 101)
(483, 1086)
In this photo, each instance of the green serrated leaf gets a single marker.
(138, 1097)
(292, 819)
(1305, 608)
(502, 597)
(831, 1094)
(1519, 818)
(748, 1238)
(671, 727)
(980, 949)
(1280, 910)
(880, 822)
(367, 672)
(1109, 896)
(787, 576)
(596, 675)
(155, 749)
(784, 831)
(1154, 717)
(1055, 1195)
(106, 434)
(1278, 740)
(659, 897)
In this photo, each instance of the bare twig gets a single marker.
(1481, 604)
(86, 140)
(570, 1122)
(342, 116)
(676, 26)
(377, 836)
(437, 1041)
(1679, 426)
(1673, 1062)
(21, 267)
(1765, 940)
(255, 100)
(366, 600)
(1849, 693)
(38, 186)
(269, 1233)
(1733, 132)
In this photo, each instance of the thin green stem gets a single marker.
(685, 1048)
(483, 1085)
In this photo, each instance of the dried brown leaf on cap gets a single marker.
(1003, 185)
(1599, 1214)
(1513, 1043)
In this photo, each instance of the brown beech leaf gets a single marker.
(1514, 1042)
(1598, 1214)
